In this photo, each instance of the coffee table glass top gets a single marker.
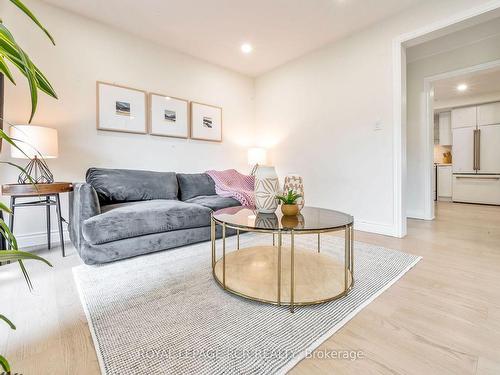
(309, 219)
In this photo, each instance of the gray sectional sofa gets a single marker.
(122, 213)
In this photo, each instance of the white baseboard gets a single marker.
(411, 214)
(38, 240)
(378, 228)
(420, 215)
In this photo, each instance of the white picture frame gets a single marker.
(206, 122)
(121, 109)
(168, 116)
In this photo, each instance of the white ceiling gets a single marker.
(279, 30)
(480, 83)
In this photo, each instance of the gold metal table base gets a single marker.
(252, 273)
(283, 275)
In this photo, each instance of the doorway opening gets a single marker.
(466, 109)
(423, 56)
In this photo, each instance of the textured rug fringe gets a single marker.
(90, 325)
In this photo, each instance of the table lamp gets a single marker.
(37, 144)
(256, 156)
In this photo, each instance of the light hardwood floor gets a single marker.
(442, 317)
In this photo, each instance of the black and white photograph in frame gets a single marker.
(206, 122)
(168, 116)
(121, 109)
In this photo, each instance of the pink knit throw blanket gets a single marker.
(231, 183)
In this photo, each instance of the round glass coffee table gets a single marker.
(288, 275)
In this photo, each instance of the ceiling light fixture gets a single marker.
(462, 87)
(246, 48)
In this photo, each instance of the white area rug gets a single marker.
(164, 314)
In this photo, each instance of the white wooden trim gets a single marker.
(399, 140)
(418, 214)
(378, 228)
(38, 240)
(450, 21)
(399, 106)
(468, 70)
(428, 152)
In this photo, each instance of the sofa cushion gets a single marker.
(134, 219)
(214, 202)
(195, 184)
(123, 185)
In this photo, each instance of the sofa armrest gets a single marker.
(83, 204)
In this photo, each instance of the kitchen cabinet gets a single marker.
(488, 114)
(484, 189)
(445, 135)
(444, 182)
(488, 160)
(463, 150)
(476, 154)
(463, 117)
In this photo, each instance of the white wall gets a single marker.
(318, 114)
(87, 51)
(469, 55)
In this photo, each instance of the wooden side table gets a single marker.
(47, 194)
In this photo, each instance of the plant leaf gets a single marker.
(9, 140)
(13, 255)
(13, 56)
(7, 234)
(44, 84)
(27, 67)
(26, 11)
(9, 323)
(26, 275)
(4, 364)
(10, 49)
(22, 170)
(33, 83)
(3, 207)
(13, 141)
(5, 70)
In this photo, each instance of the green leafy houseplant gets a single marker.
(289, 203)
(11, 52)
(289, 198)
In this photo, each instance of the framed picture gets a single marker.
(206, 122)
(168, 116)
(121, 109)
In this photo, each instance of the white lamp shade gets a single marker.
(257, 155)
(34, 141)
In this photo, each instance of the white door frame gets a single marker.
(429, 128)
(399, 107)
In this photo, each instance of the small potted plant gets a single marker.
(289, 205)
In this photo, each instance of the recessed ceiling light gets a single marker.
(246, 48)
(462, 87)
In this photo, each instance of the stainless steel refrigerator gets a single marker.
(476, 154)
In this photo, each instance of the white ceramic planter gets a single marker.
(266, 189)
